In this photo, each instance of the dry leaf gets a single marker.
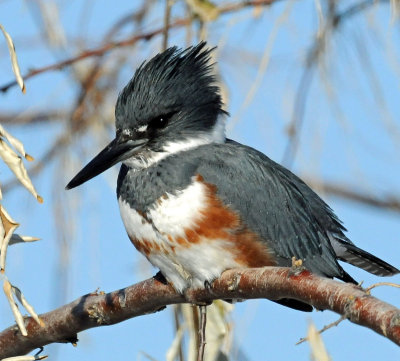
(14, 162)
(14, 61)
(14, 307)
(21, 298)
(318, 350)
(16, 238)
(19, 147)
(9, 226)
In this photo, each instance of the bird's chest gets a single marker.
(166, 221)
(177, 235)
(192, 236)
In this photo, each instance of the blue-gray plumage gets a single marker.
(195, 203)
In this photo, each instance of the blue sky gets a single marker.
(351, 135)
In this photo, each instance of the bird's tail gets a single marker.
(362, 259)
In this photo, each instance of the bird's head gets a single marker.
(171, 104)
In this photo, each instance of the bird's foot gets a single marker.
(208, 285)
(297, 266)
(195, 295)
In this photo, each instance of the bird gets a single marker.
(196, 203)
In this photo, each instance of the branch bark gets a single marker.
(98, 309)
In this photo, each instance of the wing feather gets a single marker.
(272, 201)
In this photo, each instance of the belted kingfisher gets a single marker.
(195, 203)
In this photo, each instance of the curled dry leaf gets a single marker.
(14, 162)
(19, 147)
(14, 307)
(16, 238)
(8, 228)
(14, 61)
(21, 298)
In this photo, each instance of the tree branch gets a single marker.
(93, 310)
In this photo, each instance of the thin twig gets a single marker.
(196, 327)
(177, 324)
(323, 329)
(202, 332)
(167, 17)
(379, 284)
(136, 17)
(296, 123)
(355, 9)
(313, 56)
(263, 64)
(90, 80)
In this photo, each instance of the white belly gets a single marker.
(160, 236)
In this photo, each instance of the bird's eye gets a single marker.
(160, 121)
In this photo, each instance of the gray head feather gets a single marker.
(176, 86)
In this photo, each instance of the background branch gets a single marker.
(100, 51)
(390, 202)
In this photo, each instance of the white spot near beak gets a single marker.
(142, 128)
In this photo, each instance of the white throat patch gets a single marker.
(216, 135)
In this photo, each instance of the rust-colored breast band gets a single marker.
(219, 221)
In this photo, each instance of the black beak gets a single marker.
(118, 150)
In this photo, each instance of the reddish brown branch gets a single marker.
(93, 310)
